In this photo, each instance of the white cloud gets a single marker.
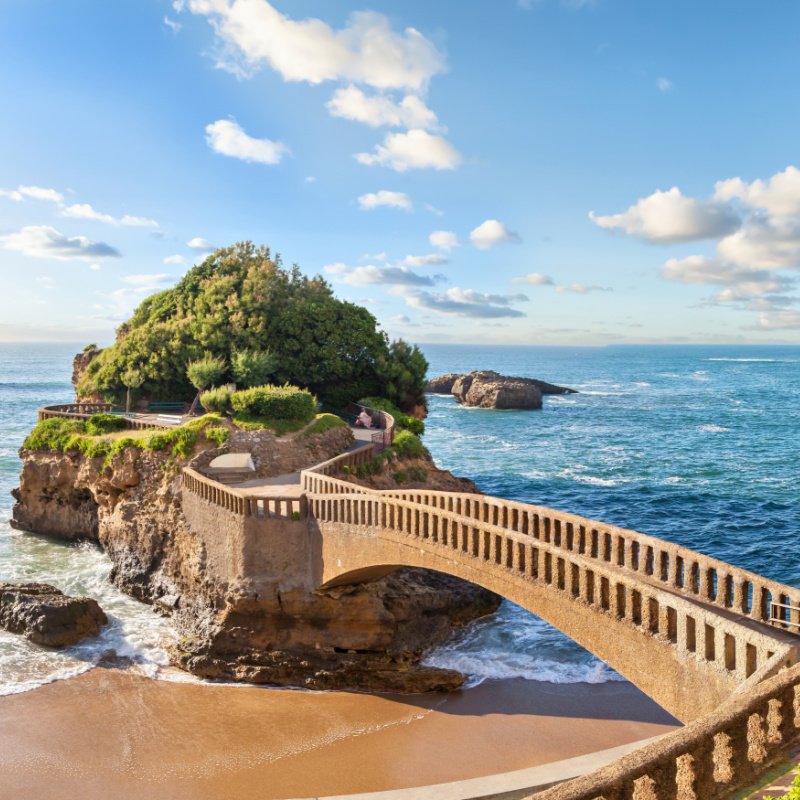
(444, 240)
(85, 211)
(491, 233)
(95, 267)
(534, 278)
(465, 303)
(371, 275)
(38, 193)
(582, 288)
(437, 212)
(764, 242)
(669, 217)
(414, 149)
(176, 259)
(366, 50)
(431, 259)
(43, 241)
(46, 282)
(172, 24)
(780, 320)
(200, 245)
(385, 198)
(377, 110)
(226, 137)
(664, 85)
(310, 179)
(780, 194)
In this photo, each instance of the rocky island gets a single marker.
(489, 389)
(241, 613)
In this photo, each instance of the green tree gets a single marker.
(252, 367)
(403, 372)
(131, 379)
(203, 373)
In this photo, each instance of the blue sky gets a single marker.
(544, 172)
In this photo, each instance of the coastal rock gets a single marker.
(443, 384)
(47, 616)
(270, 626)
(491, 390)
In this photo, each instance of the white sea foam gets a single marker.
(757, 360)
(714, 429)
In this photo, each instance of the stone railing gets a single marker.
(383, 434)
(240, 503)
(655, 560)
(709, 759)
(320, 479)
(74, 410)
(717, 639)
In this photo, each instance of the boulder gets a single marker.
(47, 616)
(443, 384)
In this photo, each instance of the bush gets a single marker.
(402, 421)
(99, 424)
(252, 367)
(217, 434)
(206, 371)
(54, 434)
(408, 445)
(217, 400)
(275, 403)
(182, 439)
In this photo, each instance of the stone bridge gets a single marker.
(714, 645)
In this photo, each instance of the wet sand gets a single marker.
(111, 734)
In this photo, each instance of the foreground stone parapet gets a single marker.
(46, 616)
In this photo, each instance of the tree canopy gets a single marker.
(242, 300)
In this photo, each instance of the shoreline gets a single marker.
(112, 733)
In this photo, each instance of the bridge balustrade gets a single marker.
(679, 568)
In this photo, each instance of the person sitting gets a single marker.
(364, 419)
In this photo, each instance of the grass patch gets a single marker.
(254, 422)
(99, 424)
(324, 423)
(411, 475)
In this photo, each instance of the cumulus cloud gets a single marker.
(200, 245)
(176, 259)
(32, 193)
(535, 278)
(466, 303)
(779, 194)
(491, 233)
(378, 110)
(444, 240)
(669, 217)
(371, 275)
(384, 197)
(227, 138)
(764, 242)
(42, 241)
(365, 51)
(780, 320)
(86, 211)
(431, 259)
(414, 149)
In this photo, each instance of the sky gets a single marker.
(515, 171)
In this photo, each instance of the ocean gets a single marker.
(695, 444)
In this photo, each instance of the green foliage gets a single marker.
(206, 371)
(275, 402)
(99, 424)
(408, 445)
(53, 434)
(252, 367)
(371, 467)
(132, 378)
(89, 347)
(217, 400)
(280, 427)
(402, 420)
(217, 434)
(323, 424)
(792, 794)
(242, 299)
(411, 475)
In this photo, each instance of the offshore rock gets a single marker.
(255, 624)
(46, 616)
(443, 384)
(488, 389)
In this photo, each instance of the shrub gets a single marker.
(252, 367)
(205, 371)
(99, 424)
(217, 434)
(275, 402)
(408, 445)
(217, 400)
(412, 474)
(402, 421)
(54, 434)
(182, 439)
(323, 424)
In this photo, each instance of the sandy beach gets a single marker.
(113, 734)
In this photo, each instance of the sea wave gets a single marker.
(714, 429)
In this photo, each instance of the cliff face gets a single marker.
(273, 629)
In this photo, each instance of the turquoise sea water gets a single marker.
(697, 444)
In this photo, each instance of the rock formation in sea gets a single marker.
(47, 616)
(274, 629)
(489, 389)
